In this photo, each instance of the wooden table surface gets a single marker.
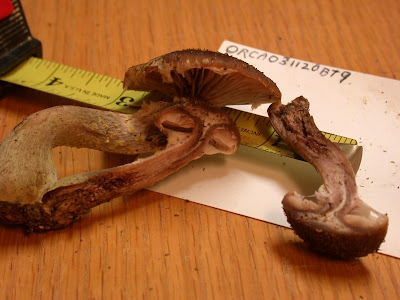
(153, 246)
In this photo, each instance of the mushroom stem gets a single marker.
(190, 132)
(26, 167)
(335, 221)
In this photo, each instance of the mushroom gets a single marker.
(200, 75)
(334, 220)
(166, 135)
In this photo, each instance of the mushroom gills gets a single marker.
(213, 78)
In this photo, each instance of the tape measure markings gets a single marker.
(90, 79)
(107, 92)
(256, 133)
(47, 78)
(266, 140)
(84, 86)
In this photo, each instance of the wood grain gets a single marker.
(153, 246)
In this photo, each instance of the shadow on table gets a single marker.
(298, 257)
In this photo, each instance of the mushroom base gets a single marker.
(33, 217)
(336, 244)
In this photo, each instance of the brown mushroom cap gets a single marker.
(213, 77)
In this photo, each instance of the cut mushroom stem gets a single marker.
(335, 221)
(166, 135)
(26, 167)
(42, 202)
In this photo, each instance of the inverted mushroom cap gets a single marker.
(213, 77)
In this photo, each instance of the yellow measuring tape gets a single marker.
(80, 85)
(107, 92)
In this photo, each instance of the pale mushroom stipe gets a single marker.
(184, 123)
